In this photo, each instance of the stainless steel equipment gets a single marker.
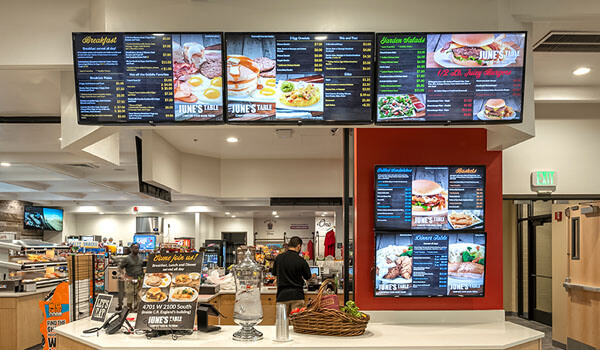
(149, 224)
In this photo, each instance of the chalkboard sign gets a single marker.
(429, 197)
(430, 264)
(101, 307)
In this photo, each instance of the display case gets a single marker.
(33, 261)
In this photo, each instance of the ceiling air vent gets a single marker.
(83, 165)
(568, 42)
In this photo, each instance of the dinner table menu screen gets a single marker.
(148, 78)
(299, 77)
(429, 264)
(429, 197)
(445, 77)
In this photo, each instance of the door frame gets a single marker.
(534, 314)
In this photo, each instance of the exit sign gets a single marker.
(543, 181)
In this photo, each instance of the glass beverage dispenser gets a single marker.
(247, 311)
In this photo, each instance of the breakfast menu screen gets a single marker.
(148, 78)
(292, 77)
(429, 197)
(444, 77)
(429, 264)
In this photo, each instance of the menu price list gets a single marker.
(345, 62)
(393, 196)
(124, 77)
(430, 264)
(420, 65)
(466, 188)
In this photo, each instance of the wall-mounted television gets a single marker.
(429, 197)
(419, 264)
(41, 218)
(146, 242)
(127, 78)
(465, 78)
(308, 78)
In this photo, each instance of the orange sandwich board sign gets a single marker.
(56, 313)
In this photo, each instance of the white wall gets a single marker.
(235, 225)
(281, 225)
(571, 147)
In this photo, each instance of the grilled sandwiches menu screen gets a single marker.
(445, 77)
(148, 78)
(429, 197)
(299, 77)
(429, 264)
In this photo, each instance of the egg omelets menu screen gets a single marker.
(429, 197)
(299, 77)
(462, 77)
(429, 264)
(143, 78)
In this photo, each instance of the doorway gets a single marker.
(534, 245)
(232, 241)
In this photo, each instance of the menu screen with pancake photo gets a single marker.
(429, 197)
(465, 78)
(169, 291)
(429, 264)
(148, 78)
(319, 78)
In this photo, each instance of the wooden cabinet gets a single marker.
(226, 306)
(269, 309)
(214, 320)
(20, 321)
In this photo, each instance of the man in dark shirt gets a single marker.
(131, 268)
(291, 271)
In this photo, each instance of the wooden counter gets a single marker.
(20, 319)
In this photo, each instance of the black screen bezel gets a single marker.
(485, 275)
(302, 122)
(27, 209)
(146, 122)
(448, 122)
(424, 230)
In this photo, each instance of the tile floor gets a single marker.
(547, 341)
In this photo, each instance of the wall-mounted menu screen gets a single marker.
(450, 78)
(429, 264)
(429, 197)
(148, 78)
(299, 77)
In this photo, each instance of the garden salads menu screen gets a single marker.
(445, 77)
(292, 77)
(148, 78)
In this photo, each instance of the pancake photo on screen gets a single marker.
(495, 109)
(476, 50)
(428, 197)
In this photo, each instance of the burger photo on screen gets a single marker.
(469, 50)
(428, 197)
(496, 108)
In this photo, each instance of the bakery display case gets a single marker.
(29, 261)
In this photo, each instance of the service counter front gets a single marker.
(383, 335)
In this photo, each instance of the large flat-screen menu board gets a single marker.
(148, 78)
(429, 197)
(450, 77)
(429, 264)
(299, 77)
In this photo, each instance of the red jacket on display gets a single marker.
(311, 250)
(330, 243)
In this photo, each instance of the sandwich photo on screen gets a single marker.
(430, 197)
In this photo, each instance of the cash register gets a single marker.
(314, 284)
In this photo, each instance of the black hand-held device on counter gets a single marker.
(114, 323)
(202, 313)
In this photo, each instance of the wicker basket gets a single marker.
(321, 321)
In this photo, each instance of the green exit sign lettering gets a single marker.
(543, 180)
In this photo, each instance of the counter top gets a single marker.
(496, 335)
(24, 294)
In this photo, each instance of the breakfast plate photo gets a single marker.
(160, 280)
(314, 90)
(183, 294)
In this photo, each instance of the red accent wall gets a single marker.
(431, 146)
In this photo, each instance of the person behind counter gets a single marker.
(291, 271)
(131, 269)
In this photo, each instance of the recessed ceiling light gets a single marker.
(274, 212)
(5, 164)
(232, 139)
(227, 213)
(233, 216)
(581, 71)
(60, 139)
(101, 213)
(276, 216)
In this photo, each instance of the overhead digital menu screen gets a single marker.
(429, 197)
(148, 78)
(445, 77)
(299, 77)
(429, 264)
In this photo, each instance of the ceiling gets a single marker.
(43, 173)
